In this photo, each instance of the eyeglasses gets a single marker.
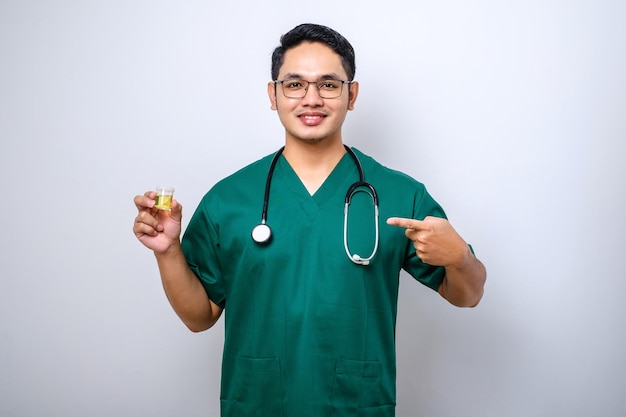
(294, 88)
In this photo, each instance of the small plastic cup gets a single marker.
(164, 197)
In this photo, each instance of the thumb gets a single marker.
(176, 212)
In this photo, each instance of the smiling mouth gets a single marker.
(312, 120)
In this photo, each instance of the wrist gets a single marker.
(174, 249)
(465, 258)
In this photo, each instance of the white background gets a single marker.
(512, 113)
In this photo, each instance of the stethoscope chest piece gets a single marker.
(261, 233)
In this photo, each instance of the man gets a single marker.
(309, 324)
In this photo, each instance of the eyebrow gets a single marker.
(294, 76)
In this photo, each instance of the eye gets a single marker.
(293, 84)
(329, 84)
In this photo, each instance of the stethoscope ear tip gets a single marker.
(358, 260)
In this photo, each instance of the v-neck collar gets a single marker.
(333, 184)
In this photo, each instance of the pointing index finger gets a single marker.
(405, 223)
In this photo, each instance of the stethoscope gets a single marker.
(262, 233)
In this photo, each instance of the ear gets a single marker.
(271, 92)
(354, 92)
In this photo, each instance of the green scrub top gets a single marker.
(307, 332)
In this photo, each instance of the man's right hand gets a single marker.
(157, 229)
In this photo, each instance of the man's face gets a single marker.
(312, 118)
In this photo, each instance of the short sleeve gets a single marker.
(200, 246)
(431, 276)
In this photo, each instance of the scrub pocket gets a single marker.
(357, 386)
(255, 388)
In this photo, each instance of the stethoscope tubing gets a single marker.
(268, 183)
(262, 233)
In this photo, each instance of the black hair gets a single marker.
(309, 32)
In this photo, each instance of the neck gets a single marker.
(313, 161)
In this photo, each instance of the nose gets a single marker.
(312, 94)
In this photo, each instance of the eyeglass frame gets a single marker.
(317, 86)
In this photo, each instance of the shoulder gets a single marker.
(245, 181)
(399, 190)
(375, 171)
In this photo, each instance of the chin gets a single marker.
(309, 138)
(312, 140)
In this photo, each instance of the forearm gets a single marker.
(185, 292)
(464, 282)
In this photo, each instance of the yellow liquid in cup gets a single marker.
(163, 202)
